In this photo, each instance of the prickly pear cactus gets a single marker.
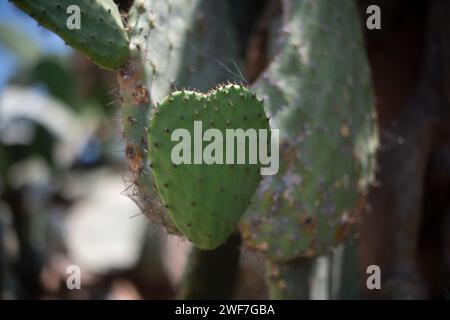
(183, 44)
(318, 93)
(101, 35)
(205, 199)
(142, 82)
(168, 50)
(158, 29)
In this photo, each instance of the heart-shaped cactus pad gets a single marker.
(200, 176)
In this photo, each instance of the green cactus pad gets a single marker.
(318, 93)
(205, 201)
(183, 44)
(101, 36)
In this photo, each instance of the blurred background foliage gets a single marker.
(63, 196)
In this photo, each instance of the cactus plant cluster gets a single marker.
(316, 91)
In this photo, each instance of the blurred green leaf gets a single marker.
(19, 44)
